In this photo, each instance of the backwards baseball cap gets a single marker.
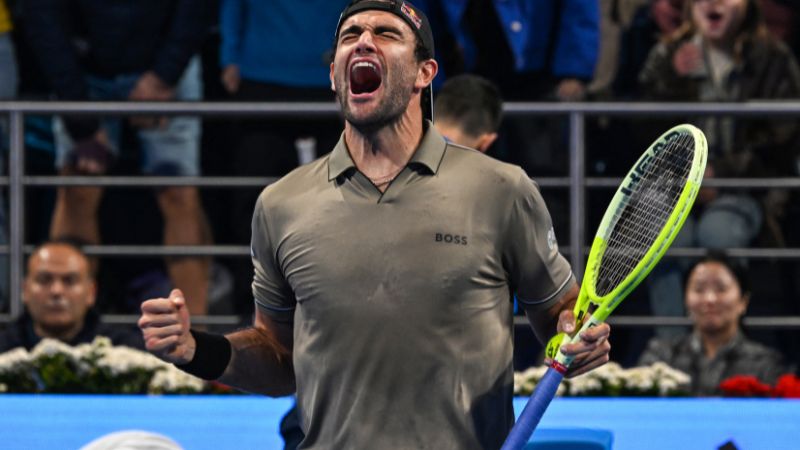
(415, 18)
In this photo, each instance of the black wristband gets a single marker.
(211, 356)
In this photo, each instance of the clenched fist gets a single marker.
(165, 325)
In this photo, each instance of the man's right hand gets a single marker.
(165, 326)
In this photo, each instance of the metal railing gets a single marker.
(576, 181)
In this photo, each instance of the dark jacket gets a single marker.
(72, 38)
(740, 357)
(21, 334)
(764, 70)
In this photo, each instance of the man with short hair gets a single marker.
(469, 109)
(59, 295)
(384, 270)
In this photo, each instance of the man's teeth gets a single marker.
(365, 64)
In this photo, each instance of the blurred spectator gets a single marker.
(263, 60)
(59, 295)
(468, 110)
(783, 20)
(628, 30)
(534, 50)
(8, 91)
(138, 50)
(717, 294)
(723, 52)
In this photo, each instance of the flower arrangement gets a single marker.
(787, 386)
(95, 368)
(611, 380)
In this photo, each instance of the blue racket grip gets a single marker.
(534, 410)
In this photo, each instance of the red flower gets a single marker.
(788, 386)
(220, 388)
(744, 386)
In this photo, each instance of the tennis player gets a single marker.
(384, 270)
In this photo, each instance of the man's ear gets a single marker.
(485, 141)
(427, 72)
(92, 294)
(333, 85)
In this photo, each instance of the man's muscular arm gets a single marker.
(261, 359)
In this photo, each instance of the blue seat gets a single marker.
(570, 439)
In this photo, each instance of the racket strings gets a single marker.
(637, 224)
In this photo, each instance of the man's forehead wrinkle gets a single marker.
(375, 19)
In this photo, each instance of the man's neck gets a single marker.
(385, 150)
(63, 335)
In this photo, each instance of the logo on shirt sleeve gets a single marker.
(552, 244)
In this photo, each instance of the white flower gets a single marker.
(15, 359)
(666, 386)
(610, 374)
(664, 371)
(84, 351)
(52, 347)
(585, 384)
(120, 360)
(611, 379)
(171, 379)
(102, 342)
(640, 379)
(48, 348)
(670, 380)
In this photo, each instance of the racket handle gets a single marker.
(534, 410)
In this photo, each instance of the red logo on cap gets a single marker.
(411, 14)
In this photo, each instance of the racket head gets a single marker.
(644, 216)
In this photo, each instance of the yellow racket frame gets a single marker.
(605, 305)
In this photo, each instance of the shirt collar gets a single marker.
(429, 154)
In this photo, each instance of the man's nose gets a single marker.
(365, 43)
(57, 286)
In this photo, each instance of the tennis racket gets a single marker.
(644, 216)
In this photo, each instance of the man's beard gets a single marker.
(388, 111)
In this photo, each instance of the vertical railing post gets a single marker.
(577, 191)
(16, 216)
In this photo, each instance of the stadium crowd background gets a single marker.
(284, 35)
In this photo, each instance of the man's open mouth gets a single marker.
(364, 77)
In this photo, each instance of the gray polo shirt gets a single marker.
(401, 300)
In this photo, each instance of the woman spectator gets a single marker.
(723, 52)
(717, 295)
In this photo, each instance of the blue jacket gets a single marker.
(286, 42)
(528, 26)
